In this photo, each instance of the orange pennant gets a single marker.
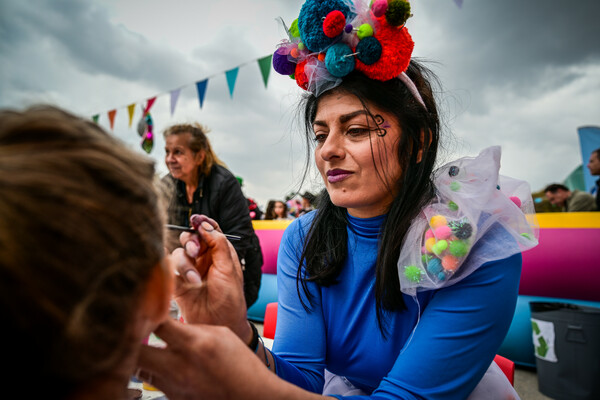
(111, 118)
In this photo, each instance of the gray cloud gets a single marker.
(520, 74)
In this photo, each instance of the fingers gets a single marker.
(197, 219)
(184, 267)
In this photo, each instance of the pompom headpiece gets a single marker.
(331, 38)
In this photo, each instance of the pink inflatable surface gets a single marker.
(566, 263)
(269, 234)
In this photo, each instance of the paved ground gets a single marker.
(526, 382)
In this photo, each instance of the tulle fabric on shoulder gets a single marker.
(474, 205)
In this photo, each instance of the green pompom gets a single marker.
(398, 12)
(527, 235)
(365, 30)
(294, 31)
(458, 248)
(453, 206)
(413, 273)
(455, 186)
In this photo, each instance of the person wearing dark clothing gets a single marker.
(199, 183)
(570, 201)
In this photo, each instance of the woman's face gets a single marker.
(356, 155)
(279, 210)
(182, 162)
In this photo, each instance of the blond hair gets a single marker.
(198, 142)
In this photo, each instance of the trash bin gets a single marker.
(566, 341)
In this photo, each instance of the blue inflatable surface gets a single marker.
(266, 295)
(518, 343)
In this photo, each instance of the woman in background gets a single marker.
(199, 183)
(277, 210)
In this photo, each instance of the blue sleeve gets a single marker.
(299, 345)
(457, 336)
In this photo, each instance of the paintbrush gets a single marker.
(192, 230)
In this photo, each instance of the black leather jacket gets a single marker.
(219, 196)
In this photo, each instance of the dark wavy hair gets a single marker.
(325, 248)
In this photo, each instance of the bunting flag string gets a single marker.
(264, 64)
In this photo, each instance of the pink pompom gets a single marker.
(516, 200)
(379, 8)
(443, 232)
(428, 234)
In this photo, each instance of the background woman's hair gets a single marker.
(81, 227)
(198, 142)
(325, 249)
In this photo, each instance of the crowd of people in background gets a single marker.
(287, 209)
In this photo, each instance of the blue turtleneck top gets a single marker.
(440, 347)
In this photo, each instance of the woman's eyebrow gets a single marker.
(347, 117)
(344, 118)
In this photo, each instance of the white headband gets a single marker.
(412, 88)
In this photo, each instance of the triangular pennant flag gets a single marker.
(174, 98)
(95, 118)
(201, 87)
(130, 111)
(265, 67)
(150, 103)
(111, 117)
(231, 77)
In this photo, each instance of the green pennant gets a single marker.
(265, 67)
(95, 118)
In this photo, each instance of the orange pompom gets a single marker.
(450, 263)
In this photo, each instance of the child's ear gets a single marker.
(158, 293)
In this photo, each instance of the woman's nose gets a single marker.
(332, 147)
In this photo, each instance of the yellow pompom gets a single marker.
(437, 221)
(429, 244)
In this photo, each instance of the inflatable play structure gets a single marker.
(564, 267)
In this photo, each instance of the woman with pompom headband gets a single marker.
(402, 283)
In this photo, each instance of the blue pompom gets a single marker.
(310, 22)
(281, 63)
(369, 50)
(336, 61)
(434, 267)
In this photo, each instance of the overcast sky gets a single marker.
(520, 74)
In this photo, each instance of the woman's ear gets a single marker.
(422, 145)
(200, 156)
(156, 299)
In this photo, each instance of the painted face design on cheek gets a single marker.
(382, 125)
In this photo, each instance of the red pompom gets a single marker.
(334, 23)
(301, 78)
(397, 46)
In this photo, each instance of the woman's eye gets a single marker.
(320, 137)
(357, 132)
